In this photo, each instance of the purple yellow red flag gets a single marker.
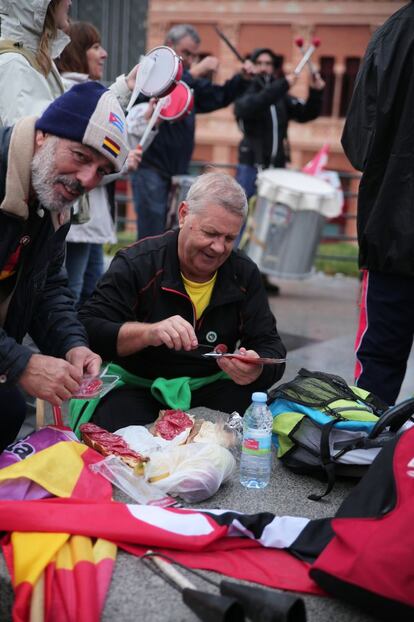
(56, 574)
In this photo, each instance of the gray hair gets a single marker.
(220, 189)
(176, 33)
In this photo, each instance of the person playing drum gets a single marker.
(263, 112)
(170, 152)
(169, 299)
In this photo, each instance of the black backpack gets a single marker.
(325, 427)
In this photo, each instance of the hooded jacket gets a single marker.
(35, 299)
(24, 90)
(378, 139)
(263, 113)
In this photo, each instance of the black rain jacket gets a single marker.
(378, 139)
(144, 284)
(263, 113)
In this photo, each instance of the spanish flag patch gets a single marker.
(111, 146)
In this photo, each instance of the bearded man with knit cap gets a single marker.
(46, 164)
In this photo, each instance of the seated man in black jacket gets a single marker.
(167, 300)
(263, 113)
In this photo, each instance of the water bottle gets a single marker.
(256, 457)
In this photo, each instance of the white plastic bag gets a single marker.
(124, 478)
(194, 472)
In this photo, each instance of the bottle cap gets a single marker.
(258, 396)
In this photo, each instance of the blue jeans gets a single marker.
(150, 191)
(385, 333)
(85, 266)
(246, 176)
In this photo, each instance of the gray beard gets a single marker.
(44, 178)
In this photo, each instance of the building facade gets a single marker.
(343, 27)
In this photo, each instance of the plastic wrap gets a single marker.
(194, 472)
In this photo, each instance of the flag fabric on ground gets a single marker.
(242, 546)
(54, 575)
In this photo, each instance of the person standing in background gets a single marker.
(82, 60)
(378, 140)
(263, 113)
(170, 152)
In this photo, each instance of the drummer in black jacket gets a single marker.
(378, 139)
(263, 113)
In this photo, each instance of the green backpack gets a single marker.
(324, 427)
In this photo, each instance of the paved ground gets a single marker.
(318, 320)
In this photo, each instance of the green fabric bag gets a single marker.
(173, 393)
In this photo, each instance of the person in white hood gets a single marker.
(29, 80)
(32, 36)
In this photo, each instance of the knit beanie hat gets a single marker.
(89, 114)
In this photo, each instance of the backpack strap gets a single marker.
(15, 47)
(326, 460)
(393, 418)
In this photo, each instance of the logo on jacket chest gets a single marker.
(211, 336)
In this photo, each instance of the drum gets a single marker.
(178, 103)
(166, 69)
(287, 223)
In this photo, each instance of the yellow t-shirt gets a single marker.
(200, 293)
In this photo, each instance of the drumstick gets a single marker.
(152, 121)
(145, 67)
(304, 59)
(316, 42)
(168, 569)
(229, 44)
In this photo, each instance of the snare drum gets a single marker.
(178, 103)
(165, 73)
(290, 213)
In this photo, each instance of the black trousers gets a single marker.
(12, 414)
(385, 333)
(135, 406)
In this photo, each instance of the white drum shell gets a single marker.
(164, 73)
(299, 191)
(288, 220)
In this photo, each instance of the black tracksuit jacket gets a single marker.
(263, 113)
(144, 284)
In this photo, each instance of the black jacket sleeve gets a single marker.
(305, 111)
(209, 96)
(256, 100)
(55, 326)
(110, 306)
(378, 121)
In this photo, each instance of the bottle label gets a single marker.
(256, 443)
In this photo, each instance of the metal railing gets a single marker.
(328, 235)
